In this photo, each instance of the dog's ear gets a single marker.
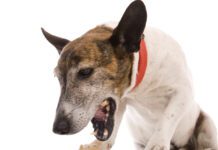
(56, 41)
(130, 28)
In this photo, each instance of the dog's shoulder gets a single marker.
(166, 63)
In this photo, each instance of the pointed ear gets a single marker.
(130, 28)
(57, 42)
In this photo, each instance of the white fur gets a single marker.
(134, 74)
(167, 76)
(151, 114)
(162, 108)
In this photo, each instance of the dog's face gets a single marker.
(94, 71)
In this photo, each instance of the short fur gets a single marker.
(162, 113)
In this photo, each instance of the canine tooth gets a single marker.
(107, 114)
(105, 120)
(94, 133)
(105, 132)
(108, 108)
(104, 103)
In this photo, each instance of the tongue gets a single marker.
(100, 115)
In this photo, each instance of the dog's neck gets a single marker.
(139, 67)
(142, 64)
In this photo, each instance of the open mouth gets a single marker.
(103, 121)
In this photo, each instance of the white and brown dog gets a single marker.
(110, 69)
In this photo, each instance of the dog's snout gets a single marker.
(61, 127)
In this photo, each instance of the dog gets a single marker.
(133, 69)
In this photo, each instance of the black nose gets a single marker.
(61, 127)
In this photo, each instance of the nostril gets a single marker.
(61, 127)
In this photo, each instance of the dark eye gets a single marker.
(85, 73)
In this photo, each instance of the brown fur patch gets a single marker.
(94, 49)
(193, 143)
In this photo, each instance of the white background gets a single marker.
(29, 92)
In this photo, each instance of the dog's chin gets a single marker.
(103, 121)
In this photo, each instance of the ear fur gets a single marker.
(56, 41)
(130, 28)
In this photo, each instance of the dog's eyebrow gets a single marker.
(75, 58)
(68, 59)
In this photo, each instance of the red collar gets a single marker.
(142, 64)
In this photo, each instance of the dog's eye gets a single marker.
(85, 73)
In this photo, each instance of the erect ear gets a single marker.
(130, 28)
(56, 41)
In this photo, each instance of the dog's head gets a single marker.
(94, 71)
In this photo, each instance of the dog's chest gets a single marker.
(146, 106)
(151, 105)
(165, 64)
(166, 68)
(142, 116)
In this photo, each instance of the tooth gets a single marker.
(107, 114)
(104, 103)
(105, 132)
(105, 120)
(95, 132)
(108, 108)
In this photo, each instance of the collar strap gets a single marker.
(142, 64)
